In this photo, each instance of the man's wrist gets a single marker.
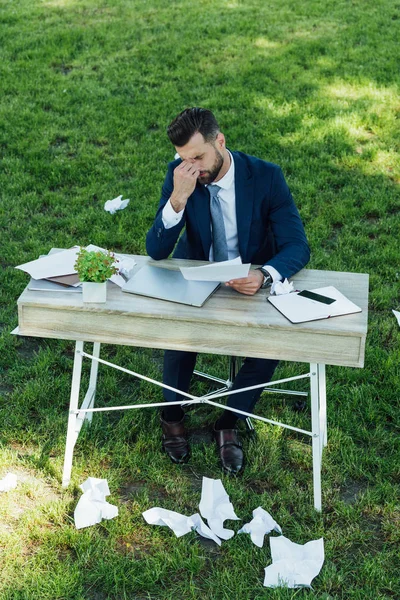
(267, 278)
(178, 203)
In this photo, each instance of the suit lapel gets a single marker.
(244, 192)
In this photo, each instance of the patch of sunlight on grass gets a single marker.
(264, 43)
(316, 129)
(386, 161)
(359, 133)
(326, 62)
(59, 3)
(350, 122)
(278, 109)
(317, 30)
(371, 92)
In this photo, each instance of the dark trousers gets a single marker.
(178, 371)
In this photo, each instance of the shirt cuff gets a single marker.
(276, 276)
(170, 218)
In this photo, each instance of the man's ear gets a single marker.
(220, 140)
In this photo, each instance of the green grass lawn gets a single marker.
(87, 90)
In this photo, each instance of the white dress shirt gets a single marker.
(228, 206)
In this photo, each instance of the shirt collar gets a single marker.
(227, 180)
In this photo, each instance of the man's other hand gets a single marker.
(247, 285)
(185, 178)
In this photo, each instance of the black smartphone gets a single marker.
(316, 297)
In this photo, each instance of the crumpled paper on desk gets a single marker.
(261, 524)
(397, 315)
(216, 507)
(9, 482)
(126, 266)
(112, 206)
(92, 506)
(281, 287)
(180, 524)
(294, 565)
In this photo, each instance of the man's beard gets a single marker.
(212, 173)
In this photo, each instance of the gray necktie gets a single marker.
(220, 246)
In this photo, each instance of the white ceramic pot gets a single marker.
(94, 292)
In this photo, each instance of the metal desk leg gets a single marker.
(322, 406)
(72, 418)
(92, 382)
(316, 433)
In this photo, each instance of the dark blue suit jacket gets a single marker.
(269, 226)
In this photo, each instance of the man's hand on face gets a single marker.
(185, 178)
(247, 285)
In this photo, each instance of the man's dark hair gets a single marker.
(191, 121)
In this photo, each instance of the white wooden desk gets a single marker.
(229, 324)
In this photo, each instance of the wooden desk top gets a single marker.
(229, 323)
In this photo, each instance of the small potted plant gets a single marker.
(94, 268)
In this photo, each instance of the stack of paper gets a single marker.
(56, 271)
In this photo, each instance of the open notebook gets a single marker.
(300, 309)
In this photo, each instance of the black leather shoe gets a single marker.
(174, 441)
(230, 450)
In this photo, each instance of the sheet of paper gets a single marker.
(178, 523)
(216, 507)
(218, 271)
(261, 524)
(293, 565)
(202, 529)
(397, 315)
(60, 263)
(161, 516)
(92, 506)
(9, 482)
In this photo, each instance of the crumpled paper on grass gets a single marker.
(261, 524)
(293, 565)
(180, 524)
(216, 507)
(281, 287)
(9, 482)
(112, 206)
(92, 506)
(397, 315)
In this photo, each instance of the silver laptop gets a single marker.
(164, 284)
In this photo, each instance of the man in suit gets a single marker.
(229, 204)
